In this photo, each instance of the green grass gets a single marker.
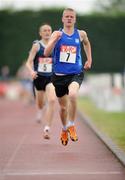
(110, 123)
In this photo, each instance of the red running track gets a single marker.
(25, 155)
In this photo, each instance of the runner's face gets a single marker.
(69, 18)
(45, 32)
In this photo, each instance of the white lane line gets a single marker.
(14, 153)
(32, 173)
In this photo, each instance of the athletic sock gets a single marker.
(64, 128)
(46, 128)
(70, 123)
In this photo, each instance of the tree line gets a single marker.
(106, 33)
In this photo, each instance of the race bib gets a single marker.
(45, 65)
(68, 54)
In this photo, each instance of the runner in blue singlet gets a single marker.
(68, 69)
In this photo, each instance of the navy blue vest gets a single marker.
(42, 64)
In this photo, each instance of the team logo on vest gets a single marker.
(77, 40)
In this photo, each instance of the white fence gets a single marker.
(106, 97)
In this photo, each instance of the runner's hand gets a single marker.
(34, 74)
(57, 35)
(87, 65)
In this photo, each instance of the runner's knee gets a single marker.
(72, 95)
(52, 100)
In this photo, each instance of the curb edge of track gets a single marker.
(120, 155)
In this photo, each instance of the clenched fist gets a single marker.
(57, 35)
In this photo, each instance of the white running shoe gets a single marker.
(46, 133)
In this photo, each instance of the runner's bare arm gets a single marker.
(87, 48)
(50, 46)
(30, 59)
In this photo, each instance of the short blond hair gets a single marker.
(69, 9)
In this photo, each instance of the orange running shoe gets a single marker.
(72, 132)
(64, 137)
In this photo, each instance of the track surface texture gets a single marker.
(25, 155)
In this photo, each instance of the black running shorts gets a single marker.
(61, 83)
(41, 81)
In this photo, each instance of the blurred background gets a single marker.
(102, 94)
(104, 22)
